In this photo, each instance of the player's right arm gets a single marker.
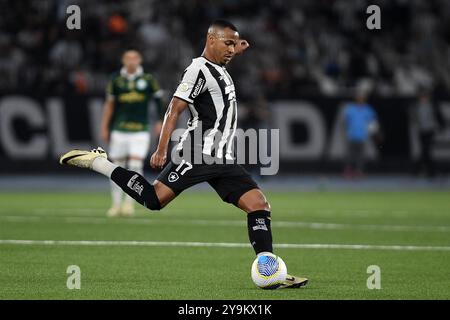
(108, 111)
(175, 108)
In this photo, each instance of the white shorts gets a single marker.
(129, 144)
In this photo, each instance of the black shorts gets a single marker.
(230, 181)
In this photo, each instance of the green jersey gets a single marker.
(131, 94)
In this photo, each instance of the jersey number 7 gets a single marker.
(188, 167)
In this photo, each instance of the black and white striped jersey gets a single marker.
(209, 91)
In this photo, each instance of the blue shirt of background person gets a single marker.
(358, 117)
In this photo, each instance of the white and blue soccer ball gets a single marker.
(268, 271)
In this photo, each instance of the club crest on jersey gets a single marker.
(141, 84)
(173, 176)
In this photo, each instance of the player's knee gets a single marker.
(264, 205)
(152, 201)
(257, 205)
(163, 194)
(154, 206)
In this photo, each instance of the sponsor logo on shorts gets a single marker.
(173, 176)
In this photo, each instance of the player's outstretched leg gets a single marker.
(254, 203)
(131, 182)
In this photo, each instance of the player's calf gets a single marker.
(259, 231)
(258, 219)
(136, 165)
(136, 187)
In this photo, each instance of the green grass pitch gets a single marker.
(171, 268)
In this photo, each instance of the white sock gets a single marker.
(116, 191)
(103, 166)
(136, 166)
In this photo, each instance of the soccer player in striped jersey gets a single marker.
(207, 91)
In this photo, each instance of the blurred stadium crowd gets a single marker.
(298, 47)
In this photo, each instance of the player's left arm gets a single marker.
(108, 111)
(241, 46)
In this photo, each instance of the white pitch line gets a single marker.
(222, 245)
(225, 223)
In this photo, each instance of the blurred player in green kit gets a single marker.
(125, 122)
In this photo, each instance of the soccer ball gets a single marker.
(268, 271)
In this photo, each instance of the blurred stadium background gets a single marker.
(307, 60)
